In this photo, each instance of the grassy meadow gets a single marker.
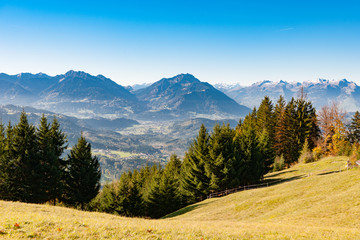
(314, 201)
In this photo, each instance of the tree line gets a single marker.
(222, 159)
(270, 138)
(33, 168)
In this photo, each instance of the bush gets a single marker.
(306, 155)
(279, 163)
(317, 153)
(355, 154)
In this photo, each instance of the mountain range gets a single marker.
(320, 92)
(80, 94)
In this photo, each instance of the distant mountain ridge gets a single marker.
(80, 94)
(184, 93)
(320, 92)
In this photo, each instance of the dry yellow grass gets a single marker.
(313, 204)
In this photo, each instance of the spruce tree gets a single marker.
(250, 162)
(106, 200)
(292, 145)
(26, 183)
(221, 152)
(3, 163)
(164, 193)
(280, 127)
(265, 131)
(355, 128)
(58, 142)
(129, 200)
(49, 163)
(195, 170)
(83, 174)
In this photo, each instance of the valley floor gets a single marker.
(315, 201)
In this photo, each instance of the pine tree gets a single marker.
(291, 144)
(195, 169)
(306, 123)
(26, 184)
(265, 117)
(267, 150)
(249, 160)
(58, 142)
(49, 163)
(355, 128)
(221, 152)
(129, 199)
(83, 175)
(265, 130)
(164, 193)
(280, 128)
(3, 163)
(106, 200)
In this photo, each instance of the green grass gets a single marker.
(315, 201)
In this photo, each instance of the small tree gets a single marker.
(82, 181)
(306, 155)
(279, 163)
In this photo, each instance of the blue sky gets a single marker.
(217, 41)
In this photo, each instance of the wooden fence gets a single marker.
(266, 184)
(242, 188)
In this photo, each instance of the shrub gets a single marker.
(279, 163)
(306, 155)
(317, 153)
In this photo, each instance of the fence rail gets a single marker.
(266, 184)
(242, 188)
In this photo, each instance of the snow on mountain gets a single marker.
(320, 92)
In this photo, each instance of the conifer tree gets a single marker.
(354, 128)
(292, 145)
(49, 163)
(195, 170)
(106, 200)
(306, 123)
(59, 144)
(265, 117)
(129, 200)
(164, 193)
(280, 127)
(3, 163)
(265, 130)
(249, 160)
(8, 166)
(26, 185)
(221, 152)
(267, 150)
(83, 174)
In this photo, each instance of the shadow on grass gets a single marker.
(281, 173)
(326, 173)
(184, 210)
(277, 181)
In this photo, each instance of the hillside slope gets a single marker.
(315, 201)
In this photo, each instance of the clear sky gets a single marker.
(137, 41)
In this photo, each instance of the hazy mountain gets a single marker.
(73, 93)
(80, 94)
(320, 92)
(80, 85)
(136, 87)
(184, 94)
